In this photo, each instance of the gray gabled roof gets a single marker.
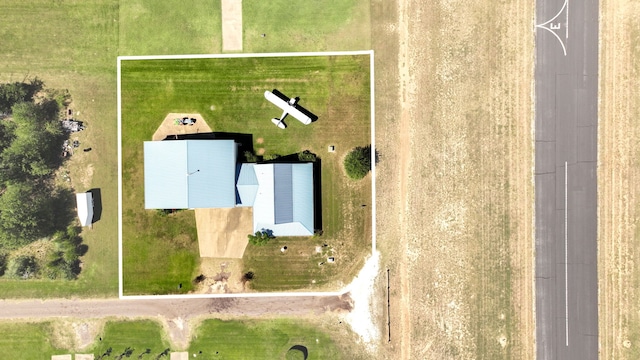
(284, 202)
(189, 174)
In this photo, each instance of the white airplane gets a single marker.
(288, 106)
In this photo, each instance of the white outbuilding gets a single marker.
(85, 208)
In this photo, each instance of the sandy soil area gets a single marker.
(455, 191)
(222, 233)
(169, 127)
(618, 192)
(231, 25)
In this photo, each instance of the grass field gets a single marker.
(27, 341)
(260, 339)
(454, 187)
(318, 26)
(228, 94)
(212, 339)
(51, 49)
(618, 190)
(169, 27)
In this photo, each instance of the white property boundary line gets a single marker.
(223, 56)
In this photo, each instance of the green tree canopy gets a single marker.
(17, 92)
(358, 162)
(26, 213)
(33, 149)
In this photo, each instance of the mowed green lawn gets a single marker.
(72, 45)
(319, 25)
(265, 339)
(27, 341)
(170, 27)
(212, 339)
(161, 252)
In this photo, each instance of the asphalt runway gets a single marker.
(566, 76)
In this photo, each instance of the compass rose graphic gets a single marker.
(554, 26)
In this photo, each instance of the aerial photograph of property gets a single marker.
(328, 179)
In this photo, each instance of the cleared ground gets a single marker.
(618, 171)
(231, 25)
(222, 233)
(455, 194)
(168, 126)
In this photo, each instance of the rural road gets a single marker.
(566, 123)
(170, 308)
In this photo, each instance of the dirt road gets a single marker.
(170, 309)
(177, 316)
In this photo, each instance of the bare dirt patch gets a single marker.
(76, 335)
(222, 233)
(232, 25)
(168, 126)
(222, 276)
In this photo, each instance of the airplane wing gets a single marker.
(284, 105)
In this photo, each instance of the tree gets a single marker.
(34, 150)
(358, 162)
(26, 213)
(260, 237)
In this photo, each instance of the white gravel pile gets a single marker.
(361, 289)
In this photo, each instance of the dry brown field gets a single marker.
(618, 169)
(454, 112)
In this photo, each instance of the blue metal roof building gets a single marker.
(189, 174)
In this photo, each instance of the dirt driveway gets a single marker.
(222, 233)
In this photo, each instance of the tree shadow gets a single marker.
(63, 205)
(96, 194)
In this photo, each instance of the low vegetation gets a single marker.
(260, 238)
(33, 206)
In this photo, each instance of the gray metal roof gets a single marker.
(282, 193)
(189, 174)
(284, 202)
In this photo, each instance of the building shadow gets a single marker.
(96, 194)
(244, 141)
(317, 195)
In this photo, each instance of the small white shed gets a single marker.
(85, 208)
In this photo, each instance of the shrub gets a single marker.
(307, 156)
(358, 162)
(268, 157)
(23, 267)
(260, 237)
(250, 157)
